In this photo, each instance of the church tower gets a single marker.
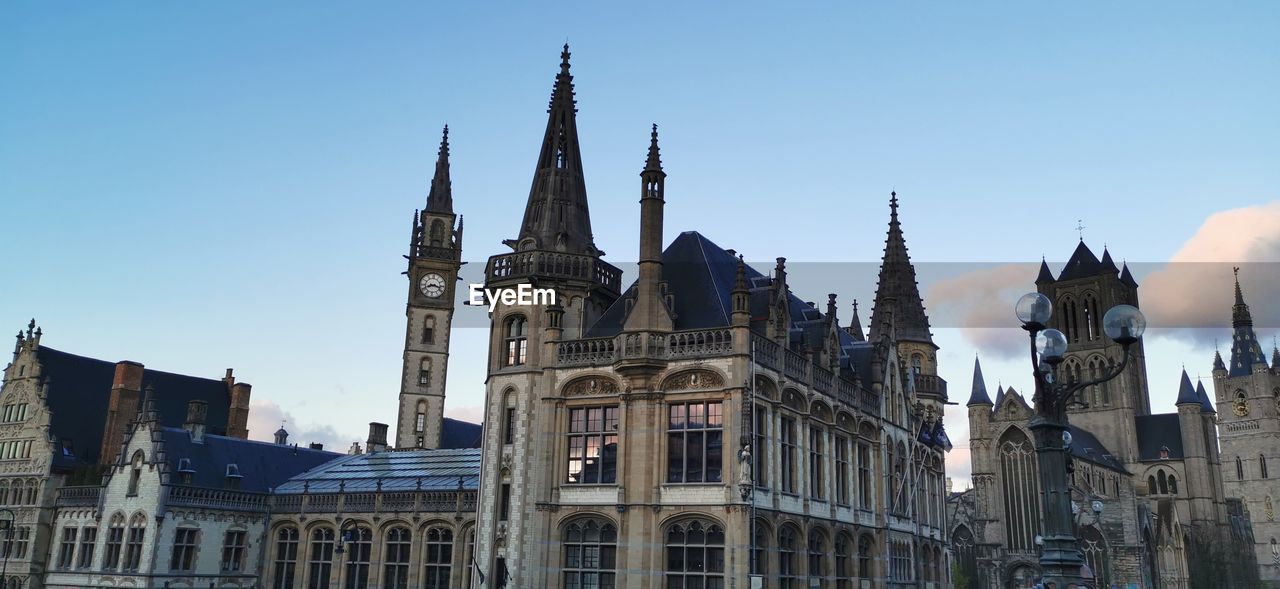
(1248, 395)
(1082, 294)
(435, 254)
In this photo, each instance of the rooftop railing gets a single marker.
(86, 496)
(554, 265)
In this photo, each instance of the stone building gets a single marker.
(62, 420)
(1249, 430)
(178, 507)
(704, 425)
(1147, 488)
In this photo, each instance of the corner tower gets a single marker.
(435, 254)
(1082, 293)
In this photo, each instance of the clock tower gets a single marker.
(435, 254)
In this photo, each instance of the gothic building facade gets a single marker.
(703, 426)
(1151, 505)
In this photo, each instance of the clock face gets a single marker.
(1241, 407)
(432, 285)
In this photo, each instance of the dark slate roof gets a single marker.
(263, 465)
(1156, 431)
(396, 471)
(460, 434)
(1082, 263)
(1045, 275)
(1206, 404)
(979, 394)
(1107, 265)
(1186, 392)
(1126, 278)
(1086, 446)
(80, 388)
(897, 283)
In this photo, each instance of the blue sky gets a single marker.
(197, 186)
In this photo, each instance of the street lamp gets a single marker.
(1061, 560)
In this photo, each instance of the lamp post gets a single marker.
(1061, 560)
(348, 532)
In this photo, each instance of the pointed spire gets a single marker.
(1206, 405)
(1126, 278)
(654, 161)
(440, 199)
(1186, 392)
(1246, 352)
(1217, 361)
(556, 216)
(979, 394)
(897, 293)
(1082, 264)
(1045, 276)
(855, 325)
(1275, 356)
(1108, 266)
(1000, 394)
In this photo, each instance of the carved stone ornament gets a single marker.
(591, 385)
(693, 379)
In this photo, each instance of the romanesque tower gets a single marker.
(1081, 294)
(1248, 395)
(435, 254)
(554, 250)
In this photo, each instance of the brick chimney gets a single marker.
(238, 409)
(197, 411)
(316, 446)
(377, 441)
(122, 408)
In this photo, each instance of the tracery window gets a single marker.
(439, 558)
(865, 570)
(864, 476)
(760, 450)
(788, 568)
(395, 558)
(590, 554)
(88, 540)
(67, 547)
(817, 484)
(844, 561)
(286, 561)
(1094, 547)
(1020, 488)
(789, 451)
(842, 471)
(816, 557)
(234, 544)
(695, 556)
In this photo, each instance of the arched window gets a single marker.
(133, 544)
(1151, 485)
(115, 541)
(516, 341)
(1019, 483)
(695, 555)
(1262, 465)
(817, 554)
(965, 552)
(136, 473)
(1173, 485)
(1091, 317)
(420, 418)
(1239, 469)
(590, 554)
(359, 548)
(429, 330)
(865, 570)
(917, 362)
(788, 568)
(4, 492)
(395, 558)
(760, 551)
(1094, 548)
(1162, 480)
(844, 561)
(320, 558)
(439, 558)
(286, 561)
(424, 372)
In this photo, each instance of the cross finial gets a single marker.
(1080, 228)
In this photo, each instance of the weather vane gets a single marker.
(1080, 228)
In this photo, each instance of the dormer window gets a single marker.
(185, 470)
(1164, 452)
(233, 476)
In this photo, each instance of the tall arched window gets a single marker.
(590, 554)
(695, 555)
(395, 558)
(1173, 484)
(965, 552)
(1151, 485)
(1262, 465)
(420, 418)
(133, 544)
(136, 473)
(286, 561)
(320, 558)
(359, 548)
(1163, 482)
(788, 568)
(429, 330)
(516, 341)
(436, 234)
(439, 558)
(115, 542)
(4, 492)
(760, 550)
(1021, 490)
(865, 568)
(844, 561)
(817, 557)
(424, 372)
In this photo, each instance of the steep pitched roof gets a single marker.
(1186, 391)
(1158, 431)
(1082, 264)
(440, 199)
(406, 470)
(460, 434)
(1086, 446)
(897, 283)
(1126, 278)
(262, 465)
(1206, 404)
(1246, 352)
(80, 388)
(978, 396)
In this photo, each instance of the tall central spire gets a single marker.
(556, 216)
(1246, 352)
(897, 287)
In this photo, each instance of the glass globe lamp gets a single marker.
(1033, 309)
(1124, 324)
(1051, 345)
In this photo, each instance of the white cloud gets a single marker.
(265, 418)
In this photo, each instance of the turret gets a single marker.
(741, 296)
(650, 311)
(1246, 354)
(855, 325)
